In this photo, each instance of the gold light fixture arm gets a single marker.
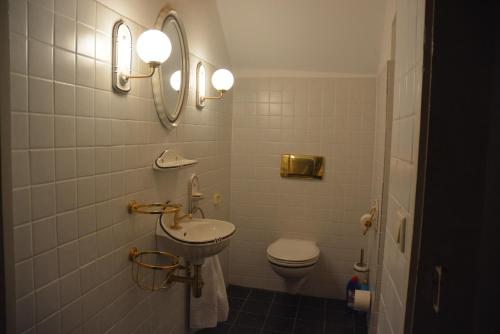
(124, 78)
(221, 94)
(153, 69)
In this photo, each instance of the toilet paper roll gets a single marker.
(364, 218)
(365, 221)
(362, 300)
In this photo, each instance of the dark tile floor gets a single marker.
(253, 311)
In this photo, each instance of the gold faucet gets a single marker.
(178, 218)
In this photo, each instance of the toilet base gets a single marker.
(294, 277)
(293, 286)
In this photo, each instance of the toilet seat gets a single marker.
(293, 253)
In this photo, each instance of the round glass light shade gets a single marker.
(153, 47)
(175, 80)
(222, 79)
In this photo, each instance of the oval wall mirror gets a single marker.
(171, 81)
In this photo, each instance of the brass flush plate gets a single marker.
(302, 166)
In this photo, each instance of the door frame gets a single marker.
(7, 281)
(422, 165)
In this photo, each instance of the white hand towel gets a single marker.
(212, 306)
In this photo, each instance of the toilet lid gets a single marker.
(293, 250)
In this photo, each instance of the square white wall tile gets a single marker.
(18, 92)
(86, 12)
(103, 47)
(40, 23)
(65, 7)
(102, 77)
(86, 221)
(103, 215)
(44, 235)
(40, 59)
(85, 40)
(19, 131)
(47, 300)
(18, 54)
(65, 131)
(67, 227)
(41, 96)
(25, 313)
(65, 195)
(42, 201)
(85, 161)
(21, 205)
(47, 4)
(69, 286)
(64, 99)
(41, 131)
(71, 317)
(64, 66)
(84, 101)
(65, 32)
(22, 243)
(42, 166)
(46, 268)
(86, 191)
(87, 249)
(85, 131)
(24, 278)
(18, 21)
(20, 169)
(102, 188)
(65, 164)
(101, 103)
(50, 325)
(85, 71)
(68, 258)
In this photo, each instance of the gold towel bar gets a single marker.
(153, 208)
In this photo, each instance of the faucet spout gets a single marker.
(178, 218)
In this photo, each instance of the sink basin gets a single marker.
(196, 239)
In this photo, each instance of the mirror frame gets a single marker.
(166, 118)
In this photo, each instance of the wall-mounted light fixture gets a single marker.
(222, 80)
(153, 47)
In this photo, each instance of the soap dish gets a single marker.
(169, 159)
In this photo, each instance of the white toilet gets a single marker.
(293, 259)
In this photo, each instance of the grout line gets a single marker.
(238, 312)
(268, 312)
(296, 314)
(325, 314)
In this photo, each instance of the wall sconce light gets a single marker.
(222, 80)
(153, 47)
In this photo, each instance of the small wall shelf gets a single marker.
(170, 159)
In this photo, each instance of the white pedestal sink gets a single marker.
(195, 239)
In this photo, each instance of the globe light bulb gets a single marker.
(222, 80)
(153, 47)
(175, 80)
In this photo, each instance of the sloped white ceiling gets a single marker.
(334, 36)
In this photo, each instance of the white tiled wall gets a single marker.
(380, 182)
(404, 154)
(329, 117)
(80, 153)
